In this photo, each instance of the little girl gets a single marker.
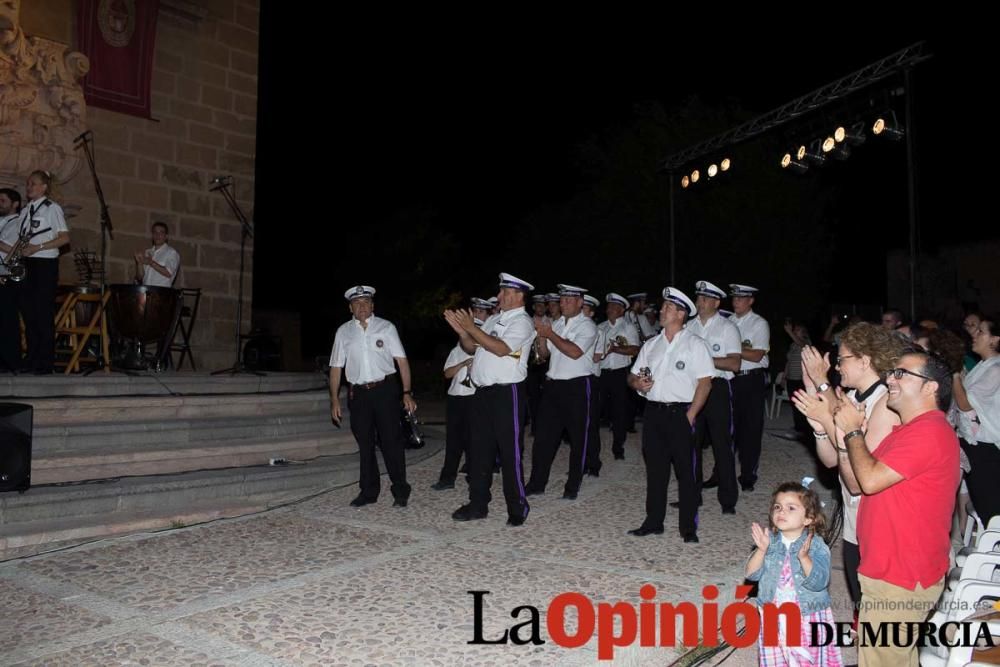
(792, 564)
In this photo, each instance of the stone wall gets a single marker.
(204, 108)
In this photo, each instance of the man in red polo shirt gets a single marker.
(904, 519)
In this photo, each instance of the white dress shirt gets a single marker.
(515, 328)
(676, 366)
(8, 234)
(49, 214)
(722, 336)
(753, 328)
(621, 327)
(582, 332)
(366, 354)
(455, 357)
(982, 386)
(166, 257)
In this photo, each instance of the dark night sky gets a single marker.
(467, 137)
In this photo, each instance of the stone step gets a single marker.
(47, 516)
(14, 388)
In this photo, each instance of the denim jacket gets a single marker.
(812, 590)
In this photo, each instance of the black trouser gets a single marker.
(533, 384)
(982, 479)
(10, 329)
(614, 396)
(748, 421)
(457, 436)
(668, 439)
(852, 559)
(715, 422)
(798, 419)
(37, 303)
(498, 416)
(593, 462)
(377, 411)
(565, 405)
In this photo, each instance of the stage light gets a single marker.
(813, 154)
(887, 125)
(685, 181)
(829, 144)
(792, 165)
(695, 175)
(725, 164)
(713, 169)
(854, 136)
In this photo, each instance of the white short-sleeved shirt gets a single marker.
(600, 344)
(851, 503)
(582, 332)
(8, 234)
(982, 386)
(167, 257)
(722, 336)
(366, 354)
(621, 327)
(455, 357)
(676, 366)
(515, 328)
(641, 324)
(49, 214)
(755, 329)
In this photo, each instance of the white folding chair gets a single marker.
(779, 395)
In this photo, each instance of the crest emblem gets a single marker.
(746, 343)
(116, 20)
(493, 333)
(679, 365)
(379, 343)
(716, 347)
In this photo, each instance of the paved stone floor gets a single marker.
(321, 583)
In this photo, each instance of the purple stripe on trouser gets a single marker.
(694, 471)
(517, 454)
(732, 419)
(586, 430)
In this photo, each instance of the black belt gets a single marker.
(369, 385)
(496, 386)
(752, 371)
(658, 405)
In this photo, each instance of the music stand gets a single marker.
(223, 185)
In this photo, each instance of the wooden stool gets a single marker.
(77, 333)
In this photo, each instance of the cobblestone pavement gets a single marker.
(321, 583)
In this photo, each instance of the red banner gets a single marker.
(118, 36)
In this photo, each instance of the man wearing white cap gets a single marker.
(565, 404)
(592, 466)
(674, 371)
(365, 349)
(750, 383)
(637, 315)
(715, 420)
(499, 367)
(537, 364)
(620, 347)
(552, 303)
(481, 308)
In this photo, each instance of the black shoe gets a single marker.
(533, 491)
(691, 538)
(361, 501)
(729, 510)
(710, 483)
(399, 502)
(467, 513)
(442, 485)
(594, 473)
(569, 495)
(515, 520)
(642, 531)
(747, 487)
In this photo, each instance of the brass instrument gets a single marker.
(15, 258)
(467, 382)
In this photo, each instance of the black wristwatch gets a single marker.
(823, 387)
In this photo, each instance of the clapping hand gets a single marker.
(760, 536)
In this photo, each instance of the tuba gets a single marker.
(15, 258)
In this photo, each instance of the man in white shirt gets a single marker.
(499, 367)
(674, 371)
(715, 420)
(10, 330)
(458, 412)
(750, 383)
(157, 266)
(592, 466)
(566, 395)
(621, 344)
(366, 349)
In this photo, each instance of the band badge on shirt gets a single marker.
(679, 365)
(716, 347)
(493, 333)
(379, 343)
(747, 343)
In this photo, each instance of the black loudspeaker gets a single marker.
(15, 446)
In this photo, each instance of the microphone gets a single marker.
(220, 179)
(83, 137)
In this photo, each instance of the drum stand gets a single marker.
(222, 185)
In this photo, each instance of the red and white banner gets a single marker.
(118, 36)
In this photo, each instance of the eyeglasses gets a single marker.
(898, 373)
(846, 356)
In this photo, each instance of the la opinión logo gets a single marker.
(739, 624)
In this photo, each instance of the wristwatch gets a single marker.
(823, 387)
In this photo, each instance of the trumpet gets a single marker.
(467, 382)
(15, 258)
(617, 341)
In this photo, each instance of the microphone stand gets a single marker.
(107, 229)
(223, 185)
